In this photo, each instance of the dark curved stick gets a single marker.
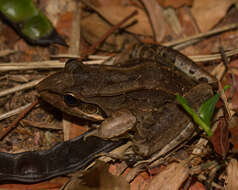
(63, 158)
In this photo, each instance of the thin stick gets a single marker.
(92, 49)
(226, 62)
(212, 57)
(6, 130)
(97, 11)
(13, 112)
(19, 87)
(59, 65)
(31, 65)
(194, 21)
(45, 64)
(202, 35)
(100, 15)
(92, 57)
(75, 31)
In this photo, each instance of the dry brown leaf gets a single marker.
(186, 21)
(157, 18)
(232, 175)
(55, 7)
(218, 71)
(209, 12)
(173, 21)
(234, 133)
(171, 178)
(220, 137)
(114, 2)
(98, 178)
(140, 182)
(175, 3)
(75, 32)
(197, 186)
(115, 14)
(93, 27)
(43, 185)
(234, 102)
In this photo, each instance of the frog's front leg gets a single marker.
(119, 123)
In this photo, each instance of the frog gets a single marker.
(135, 98)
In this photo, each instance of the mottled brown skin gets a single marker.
(143, 86)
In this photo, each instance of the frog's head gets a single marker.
(59, 90)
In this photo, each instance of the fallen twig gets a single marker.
(19, 87)
(13, 112)
(95, 60)
(92, 49)
(201, 35)
(6, 130)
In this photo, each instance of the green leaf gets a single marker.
(18, 10)
(30, 22)
(195, 117)
(226, 87)
(206, 111)
(37, 26)
(207, 108)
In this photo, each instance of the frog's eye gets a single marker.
(70, 100)
(91, 109)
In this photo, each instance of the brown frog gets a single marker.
(137, 94)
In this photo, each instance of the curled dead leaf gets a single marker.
(171, 178)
